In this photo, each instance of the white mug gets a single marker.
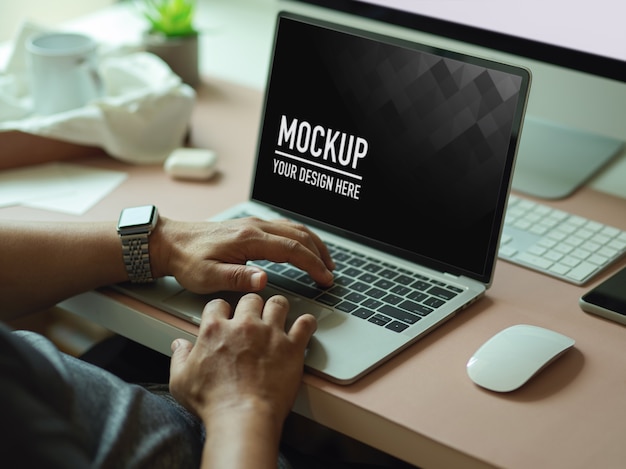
(63, 71)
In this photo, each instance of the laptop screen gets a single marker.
(402, 146)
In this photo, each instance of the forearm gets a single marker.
(43, 263)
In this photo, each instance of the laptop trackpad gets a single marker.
(192, 304)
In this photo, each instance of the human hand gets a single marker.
(241, 377)
(243, 358)
(206, 257)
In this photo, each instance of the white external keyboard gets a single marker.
(557, 243)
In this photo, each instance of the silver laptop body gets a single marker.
(400, 157)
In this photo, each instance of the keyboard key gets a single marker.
(356, 262)
(355, 297)
(535, 261)
(404, 279)
(277, 267)
(368, 278)
(442, 293)
(292, 273)
(360, 287)
(352, 272)
(339, 290)
(434, 302)
(415, 308)
(384, 284)
(371, 303)
(339, 256)
(392, 299)
(388, 274)
(375, 292)
(346, 306)
(401, 290)
(343, 280)
(328, 300)
(417, 296)
(363, 313)
(373, 268)
(582, 271)
(397, 313)
(598, 259)
(560, 269)
(420, 285)
(396, 326)
(379, 319)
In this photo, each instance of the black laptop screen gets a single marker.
(396, 144)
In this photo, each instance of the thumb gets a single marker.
(180, 351)
(240, 278)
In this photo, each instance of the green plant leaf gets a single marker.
(170, 17)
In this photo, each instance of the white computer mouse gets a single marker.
(514, 355)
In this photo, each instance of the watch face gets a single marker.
(139, 218)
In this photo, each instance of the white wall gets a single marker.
(45, 12)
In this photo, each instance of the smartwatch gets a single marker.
(134, 228)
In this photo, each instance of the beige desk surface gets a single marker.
(420, 406)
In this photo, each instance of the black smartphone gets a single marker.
(608, 299)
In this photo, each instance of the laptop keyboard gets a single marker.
(383, 294)
(557, 243)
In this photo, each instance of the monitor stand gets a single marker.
(554, 160)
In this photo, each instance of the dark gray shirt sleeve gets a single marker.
(58, 411)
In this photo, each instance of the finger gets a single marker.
(302, 330)
(250, 304)
(180, 351)
(278, 248)
(217, 308)
(309, 239)
(214, 311)
(324, 253)
(275, 311)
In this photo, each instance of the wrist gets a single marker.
(251, 413)
(158, 250)
(242, 436)
(167, 246)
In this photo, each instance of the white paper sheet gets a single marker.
(61, 187)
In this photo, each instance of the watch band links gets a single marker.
(137, 258)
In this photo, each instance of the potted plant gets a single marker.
(173, 37)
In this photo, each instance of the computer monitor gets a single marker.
(575, 49)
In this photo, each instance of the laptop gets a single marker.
(400, 156)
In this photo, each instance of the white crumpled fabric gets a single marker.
(141, 118)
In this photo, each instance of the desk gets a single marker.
(420, 406)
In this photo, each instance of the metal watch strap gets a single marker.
(137, 257)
